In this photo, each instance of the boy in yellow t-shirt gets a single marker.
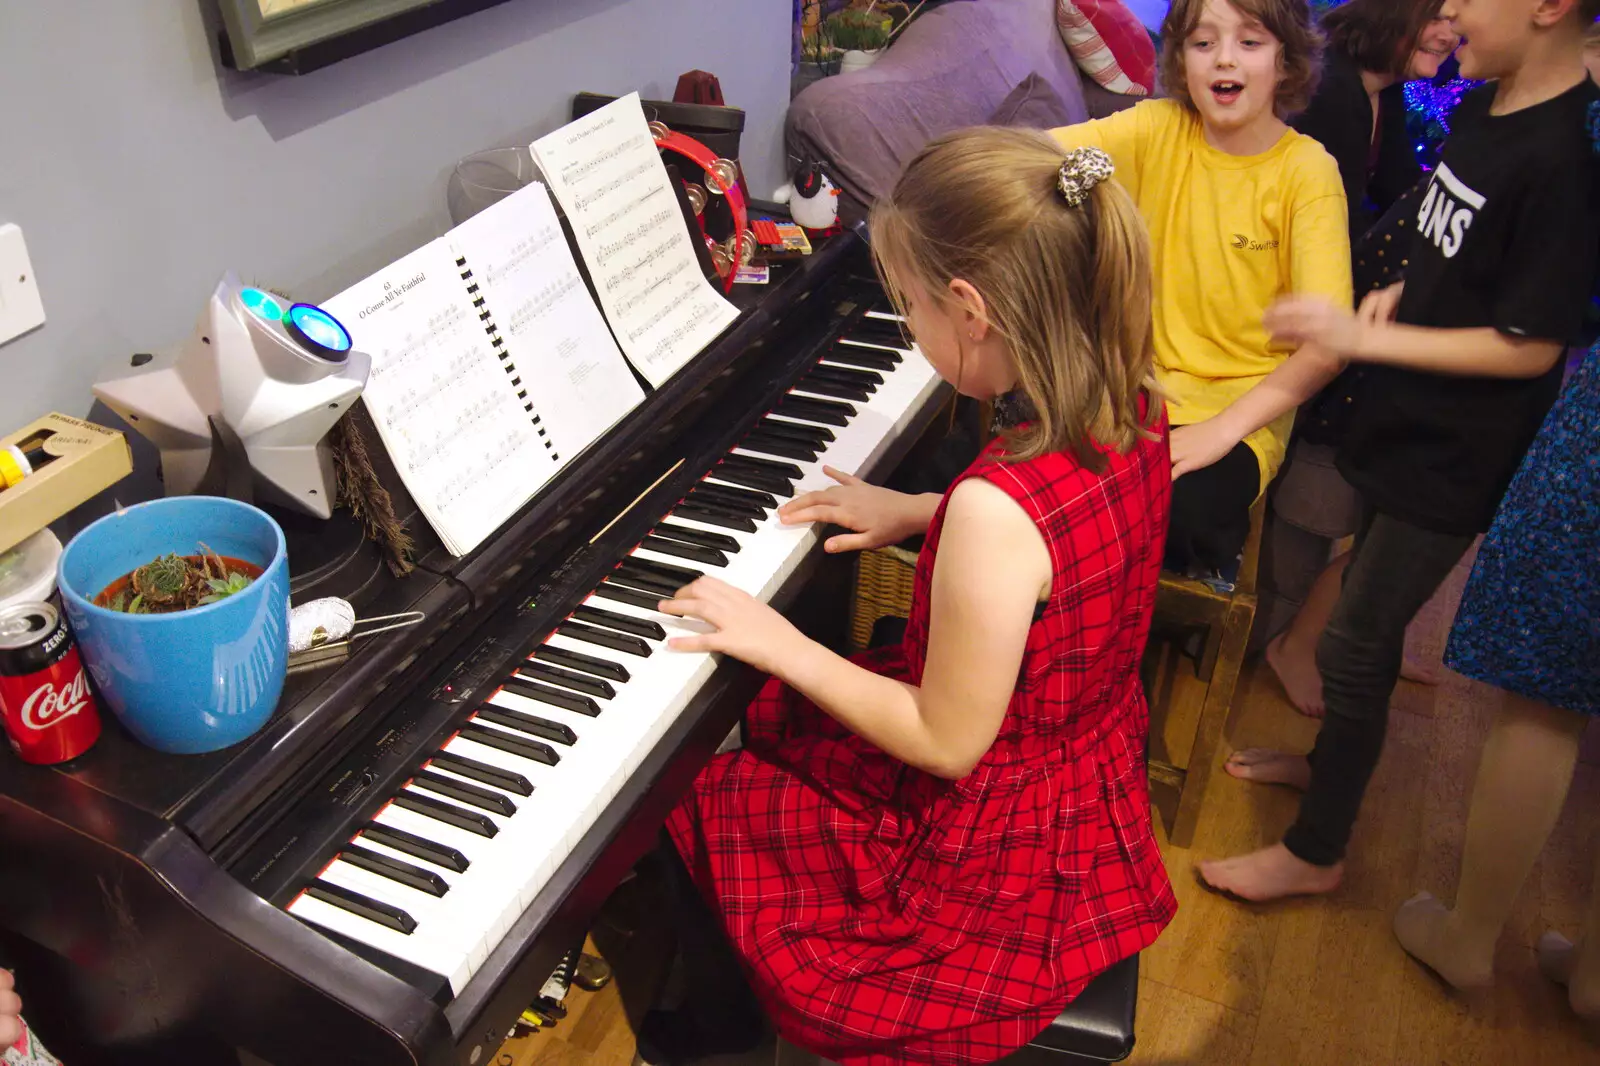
(1242, 210)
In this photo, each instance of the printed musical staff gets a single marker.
(606, 172)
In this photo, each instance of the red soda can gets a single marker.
(50, 714)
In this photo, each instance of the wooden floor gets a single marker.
(1305, 983)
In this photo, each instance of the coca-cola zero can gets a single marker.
(50, 714)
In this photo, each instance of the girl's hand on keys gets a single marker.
(877, 515)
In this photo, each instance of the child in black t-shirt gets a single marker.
(1463, 364)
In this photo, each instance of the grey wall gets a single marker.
(140, 171)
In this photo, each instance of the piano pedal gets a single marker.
(593, 973)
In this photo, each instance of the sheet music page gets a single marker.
(606, 171)
(467, 451)
(558, 345)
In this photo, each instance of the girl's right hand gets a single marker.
(878, 515)
(10, 1012)
(1378, 307)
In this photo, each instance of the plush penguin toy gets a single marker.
(815, 202)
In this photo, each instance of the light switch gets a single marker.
(20, 306)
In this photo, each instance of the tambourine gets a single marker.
(722, 179)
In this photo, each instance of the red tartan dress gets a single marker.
(885, 915)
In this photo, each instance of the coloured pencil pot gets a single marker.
(188, 680)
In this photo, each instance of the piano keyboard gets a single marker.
(443, 869)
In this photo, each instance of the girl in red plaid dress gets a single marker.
(923, 854)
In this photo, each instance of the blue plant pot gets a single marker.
(191, 681)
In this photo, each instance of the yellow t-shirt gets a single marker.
(1230, 234)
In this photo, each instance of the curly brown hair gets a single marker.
(1290, 21)
(1379, 35)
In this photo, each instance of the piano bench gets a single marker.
(1096, 1027)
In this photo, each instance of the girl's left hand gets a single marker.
(1301, 320)
(746, 628)
(1197, 446)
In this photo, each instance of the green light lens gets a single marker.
(261, 305)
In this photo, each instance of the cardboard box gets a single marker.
(89, 460)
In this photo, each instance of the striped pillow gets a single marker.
(1109, 44)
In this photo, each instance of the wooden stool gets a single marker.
(1187, 714)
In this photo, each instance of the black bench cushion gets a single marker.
(1095, 1027)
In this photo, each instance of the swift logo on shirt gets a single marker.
(1447, 211)
(1245, 244)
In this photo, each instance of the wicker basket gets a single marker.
(884, 578)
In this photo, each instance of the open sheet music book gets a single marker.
(607, 174)
(491, 366)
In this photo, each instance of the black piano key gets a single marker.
(623, 623)
(757, 441)
(649, 601)
(466, 792)
(683, 575)
(648, 584)
(824, 387)
(866, 358)
(786, 471)
(807, 433)
(531, 724)
(555, 697)
(532, 750)
(604, 638)
(752, 479)
(878, 331)
(402, 873)
(714, 518)
(709, 556)
(589, 686)
(417, 847)
(733, 493)
(586, 664)
(865, 379)
(712, 502)
(482, 771)
(829, 412)
(371, 909)
(448, 813)
(703, 537)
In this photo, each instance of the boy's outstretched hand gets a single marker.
(10, 1012)
(746, 628)
(1300, 320)
(878, 515)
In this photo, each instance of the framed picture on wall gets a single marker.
(299, 36)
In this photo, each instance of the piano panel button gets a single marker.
(865, 358)
(531, 724)
(374, 911)
(804, 432)
(400, 872)
(610, 590)
(621, 622)
(822, 386)
(449, 813)
(734, 494)
(586, 664)
(532, 750)
(704, 538)
(603, 638)
(480, 771)
(566, 679)
(786, 471)
(419, 847)
(709, 556)
(768, 444)
(806, 409)
(866, 379)
(555, 697)
(465, 792)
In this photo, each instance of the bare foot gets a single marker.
(1556, 957)
(1424, 929)
(1267, 767)
(1298, 675)
(1420, 672)
(1269, 874)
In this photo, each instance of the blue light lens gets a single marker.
(321, 327)
(261, 305)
